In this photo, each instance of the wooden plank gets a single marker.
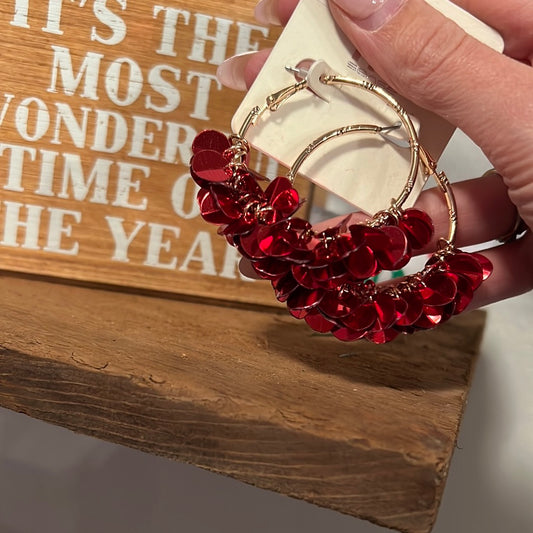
(98, 109)
(253, 395)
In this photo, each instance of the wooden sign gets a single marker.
(99, 103)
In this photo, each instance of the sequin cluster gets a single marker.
(324, 276)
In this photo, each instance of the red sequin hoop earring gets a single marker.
(324, 277)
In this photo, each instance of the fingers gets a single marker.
(239, 72)
(275, 12)
(512, 19)
(512, 274)
(427, 57)
(484, 213)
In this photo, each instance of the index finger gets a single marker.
(513, 19)
(428, 58)
(275, 11)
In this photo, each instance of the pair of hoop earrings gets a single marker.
(325, 277)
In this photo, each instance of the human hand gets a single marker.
(429, 59)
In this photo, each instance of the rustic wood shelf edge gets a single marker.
(248, 394)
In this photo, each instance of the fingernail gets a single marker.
(266, 12)
(370, 15)
(231, 72)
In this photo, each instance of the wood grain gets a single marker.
(252, 395)
(60, 87)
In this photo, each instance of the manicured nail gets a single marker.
(266, 12)
(370, 15)
(231, 72)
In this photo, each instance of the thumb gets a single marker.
(432, 61)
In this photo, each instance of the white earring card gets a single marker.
(366, 172)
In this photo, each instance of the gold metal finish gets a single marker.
(420, 158)
(353, 128)
(404, 118)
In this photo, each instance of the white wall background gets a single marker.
(53, 481)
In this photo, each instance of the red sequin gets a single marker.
(348, 335)
(486, 265)
(439, 289)
(385, 311)
(415, 306)
(362, 317)
(227, 200)
(397, 253)
(338, 305)
(248, 245)
(310, 278)
(465, 293)
(271, 268)
(277, 240)
(210, 140)
(318, 322)
(323, 275)
(283, 286)
(417, 226)
(210, 209)
(282, 197)
(210, 166)
(304, 299)
(374, 238)
(381, 336)
(241, 226)
(466, 265)
(362, 263)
